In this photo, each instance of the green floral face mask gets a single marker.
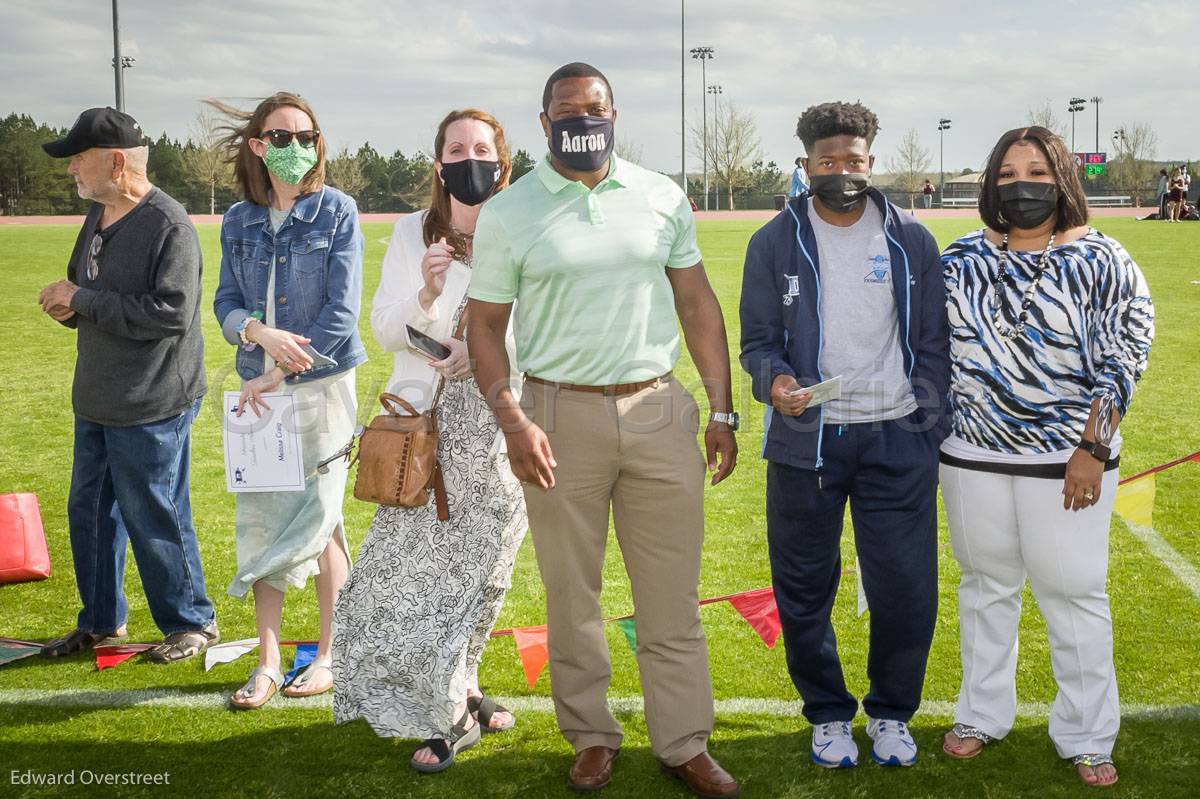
(290, 164)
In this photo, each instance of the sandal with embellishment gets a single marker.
(966, 732)
(252, 700)
(1092, 761)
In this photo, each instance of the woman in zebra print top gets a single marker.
(1051, 323)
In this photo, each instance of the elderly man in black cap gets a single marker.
(132, 295)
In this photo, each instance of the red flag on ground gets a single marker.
(110, 656)
(533, 650)
(759, 610)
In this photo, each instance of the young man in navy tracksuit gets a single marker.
(842, 283)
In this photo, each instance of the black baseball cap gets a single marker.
(98, 127)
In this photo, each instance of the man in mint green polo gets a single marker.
(599, 256)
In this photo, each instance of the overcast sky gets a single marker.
(387, 71)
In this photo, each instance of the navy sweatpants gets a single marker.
(889, 474)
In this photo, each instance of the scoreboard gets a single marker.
(1091, 164)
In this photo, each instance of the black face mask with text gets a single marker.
(582, 143)
(470, 181)
(840, 193)
(1026, 204)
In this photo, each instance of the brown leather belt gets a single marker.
(613, 390)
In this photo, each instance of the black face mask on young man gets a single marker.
(582, 143)
(1026, 204)
(840, 193)
(470, 181)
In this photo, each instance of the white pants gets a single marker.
(1003, 528)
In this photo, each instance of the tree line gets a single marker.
(195, 171)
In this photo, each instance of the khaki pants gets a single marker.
(637, 454)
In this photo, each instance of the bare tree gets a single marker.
(1134, 168)
(733, 145)
(629, 149)
(206, 160)
(909, 166)
(1044, 116)
(344, 171)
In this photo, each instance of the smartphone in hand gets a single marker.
(426, 345)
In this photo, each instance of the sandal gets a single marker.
(965, 732)
(304, 676)
(1092, 761)
(181, 646)
(250, 689)
(447, 748)
(82, 641)
(483, 708)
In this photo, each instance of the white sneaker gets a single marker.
(894, 745)
(833, 746)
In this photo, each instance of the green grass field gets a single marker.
(90, 720)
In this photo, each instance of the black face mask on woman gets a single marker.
(582, 143)
(840, 193)
(1026, 204)
(470, 181)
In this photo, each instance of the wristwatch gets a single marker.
(732, 419)
(1101, 452)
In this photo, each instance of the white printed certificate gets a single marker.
(262, 453)
(831, 389)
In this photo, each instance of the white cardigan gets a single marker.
(396, 305)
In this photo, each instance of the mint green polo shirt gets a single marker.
(587, 270)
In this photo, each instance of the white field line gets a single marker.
(518, 704)
(1159, 548)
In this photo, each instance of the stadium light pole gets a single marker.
(943, 126)
(682, 98)
(704, 54)
(714, 90)
(1096, 100)
(118, 64)
(1077, 104)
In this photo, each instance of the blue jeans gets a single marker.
(131, 484)
(889, 474)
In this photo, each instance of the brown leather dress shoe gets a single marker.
(706, 777)
(592, 769)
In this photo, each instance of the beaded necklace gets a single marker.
(1005, 277)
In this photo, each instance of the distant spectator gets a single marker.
(1177, 193)
(927, 194)
(1164, 183)
(799, 180)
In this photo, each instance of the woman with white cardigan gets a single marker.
(419, 605)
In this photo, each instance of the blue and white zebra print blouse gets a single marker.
(1087, 336)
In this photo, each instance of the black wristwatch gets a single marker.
(1101, 452)
(732, 419)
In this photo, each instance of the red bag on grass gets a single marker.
(23, 553)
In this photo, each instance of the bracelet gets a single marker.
(247, 344)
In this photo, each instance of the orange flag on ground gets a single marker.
(109, 656)
(533, 650)
(759, 610)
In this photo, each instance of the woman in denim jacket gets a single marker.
(288, 298)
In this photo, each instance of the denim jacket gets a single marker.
(317, 255)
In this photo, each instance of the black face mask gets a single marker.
(840, 193)
(470, 181)
(1026, 204)
(582, 143)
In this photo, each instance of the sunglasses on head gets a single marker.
(283, 138)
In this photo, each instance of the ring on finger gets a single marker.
(1089, 494)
